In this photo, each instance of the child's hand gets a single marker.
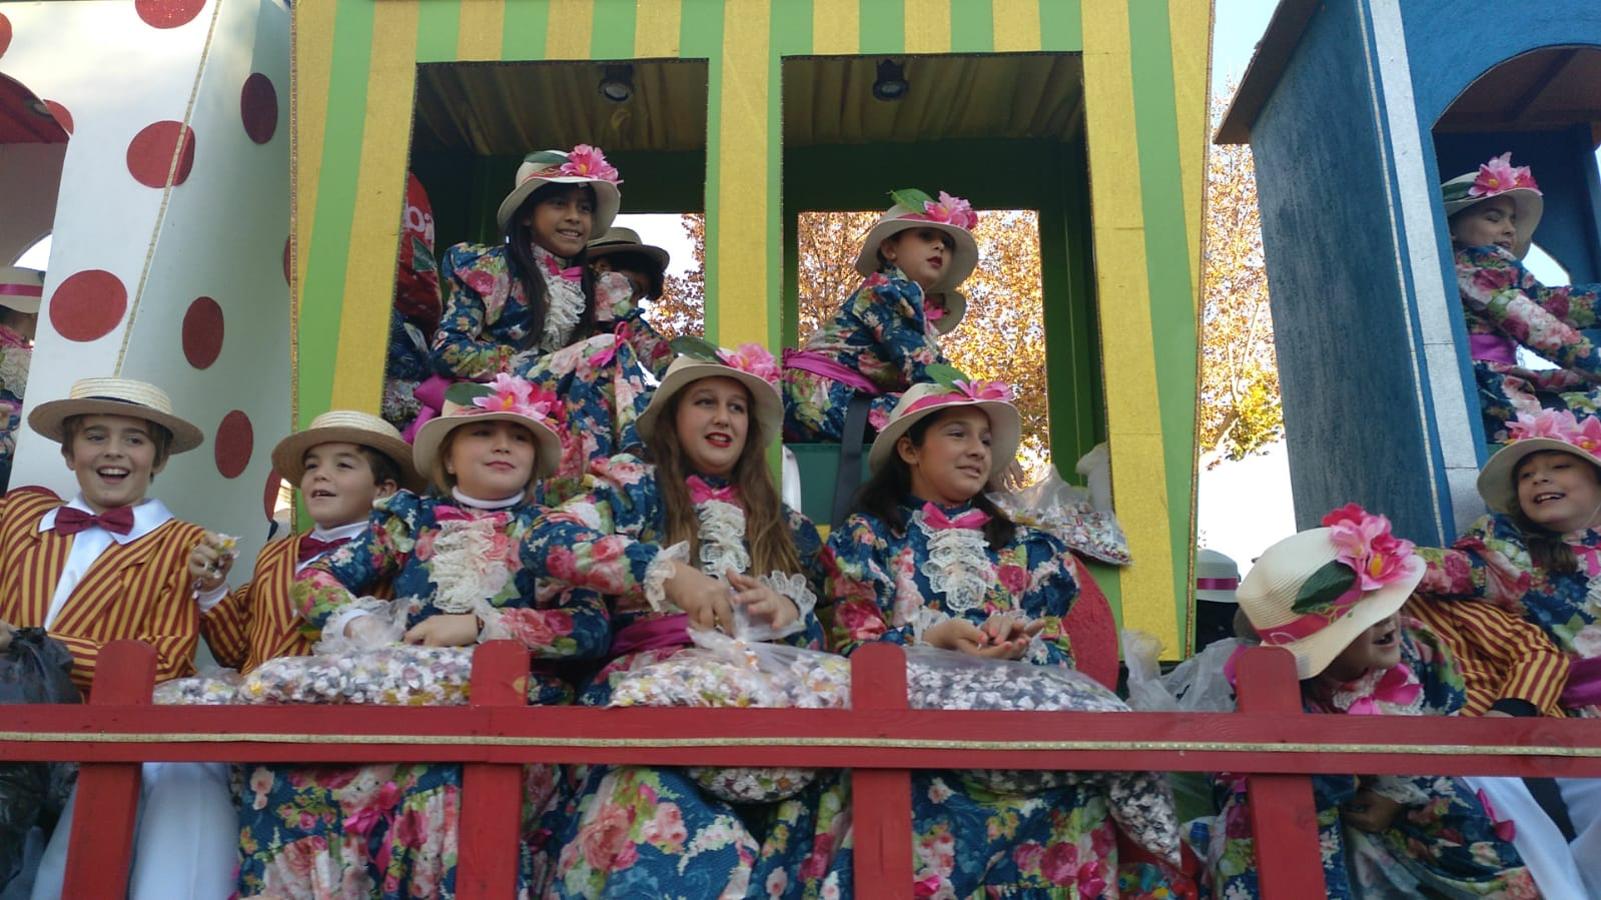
(1008, 635)
(706, 600)
(456, 630)
(211, 559)
(1370, 811)
(762, 603)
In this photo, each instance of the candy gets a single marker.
(216, 689)
(388, 676)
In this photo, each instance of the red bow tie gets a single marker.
(701, 492)
(311, 548)
(973, 519)
(70, 520)
(571, 273)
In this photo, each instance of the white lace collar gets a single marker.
(564, 301)
(958, 564)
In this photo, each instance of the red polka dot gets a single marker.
(87, 305)
(168, 13)
(286, 260)
(202, 333)
(5, 33)
(269, 493)
(62, 116)
(151, 150)
(235, 440)
(258, 106)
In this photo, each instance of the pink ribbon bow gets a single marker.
(571, 273)
(972, 520)
(1396, 687)
(701, 492)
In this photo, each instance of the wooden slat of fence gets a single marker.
(881, 799)
(1289, 864)
(107, 800)
(492, 793)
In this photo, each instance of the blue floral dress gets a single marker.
(486, 325)
(653, 832)
(882, 333)
(971, 839)
(1442, 842)
(15, 357)
(390, 830)
(1507, 308)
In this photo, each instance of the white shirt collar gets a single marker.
(339, 532)
(472, 502)
(148, 515)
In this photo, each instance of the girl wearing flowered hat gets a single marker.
(453, 562)
(884, 336)
(927, 559)
(21, 291)
(1332, 597)
(530, 306)
(1492, 215)
(695, 537)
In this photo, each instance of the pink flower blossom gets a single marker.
(953, 210)
(1588, 435)
(602, 840)
(1363, 541)
(1059, 865)
(1557, 424)
(585, 161)
(816, 864)
(508, 393)
(1027, 856)
(1499, 175)
(752, 358)
(1013, 578)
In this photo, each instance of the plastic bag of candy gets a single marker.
(1069, 513)
(397, 675)
(215, 686)
(1140, 802)
(724, 672)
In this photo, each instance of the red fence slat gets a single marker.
(492, 793)
(1289, 864)
(881, 799)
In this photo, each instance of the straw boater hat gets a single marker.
(1217, 576)
(21, 289)
(1549, 429)
(115, 397)
(924, 399)
(350, 427)
(1301, 596)
(915, 209)
(620, 239)
(1497, 178)
(506, 399)
(581, 165)
(749, 364)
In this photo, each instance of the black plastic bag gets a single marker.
(35, 668)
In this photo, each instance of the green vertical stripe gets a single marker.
(321, 297)
(1167, 263)
(972, 26)
(612, 30)
(1060, 27)
(438, 25)
(700, 36)
(522, 30)
(882, 26)
(791, 36)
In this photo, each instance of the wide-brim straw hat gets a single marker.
(21, 289)
(425, 446)
(954, 304)
(345, 426)
(621, 239)
(899, 218)
(1217, 576)
(925, 399)
(110, 396)
(686, 370)
(1527, 201)
(545, 167)
(1269, 591)
(1496, 484)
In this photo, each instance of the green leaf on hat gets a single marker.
(1450, 193)
(465, 392)
(695, 348)
(545, 158)
(1323, 587)
(945, 375)
(910, 198)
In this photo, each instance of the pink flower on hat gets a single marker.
(585, 161)
(1363, 542)
(1499, 175)
(508, 393)
(951, 210)
(1556, 424)
(751, 358)
(1587, 436)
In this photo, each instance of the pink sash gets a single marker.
(652, 634)
(1493, 348)
(818, 364)
(1584, 684)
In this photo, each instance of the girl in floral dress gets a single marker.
(883, 338)
(1492, 215)
(698, 537)
(1331, 596)
(928, 559)
(531, 307)
(455, 568)
(20, 293)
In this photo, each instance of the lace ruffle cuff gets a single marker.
(658, 571)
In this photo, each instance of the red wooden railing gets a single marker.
(1269, 740)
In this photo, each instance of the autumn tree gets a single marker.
(1239, 408)
(682, 307)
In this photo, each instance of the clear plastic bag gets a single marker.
(1067, 512)
(722, 672)
(398, 675)
(215, 686)
(1197, 684)
(1140, 802)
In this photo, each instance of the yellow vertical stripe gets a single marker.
(836, 26)
(1139, 477)
(380, 202)
(478, 35)
(567, 31)
(742, 177)
(928, 26)
(656, 24)
(313, 63)
(1190, 25)
(1017, 25)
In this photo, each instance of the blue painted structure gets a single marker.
(1339, 105)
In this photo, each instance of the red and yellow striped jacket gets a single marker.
(257, 622)
(140, 590)
(1500, 656)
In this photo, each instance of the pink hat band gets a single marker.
(21, 290)
(964, 392)
(1217, 584)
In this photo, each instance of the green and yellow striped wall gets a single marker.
(1145, 75)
